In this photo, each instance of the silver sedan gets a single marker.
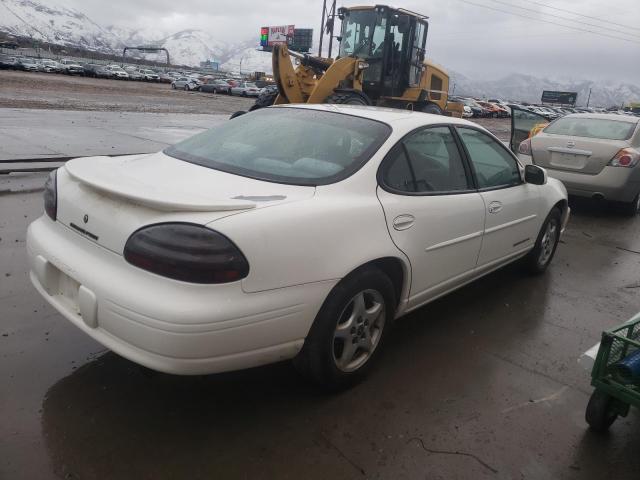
(594, 155)
(246, 89)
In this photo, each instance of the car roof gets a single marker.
(387, 115)
(605, 116)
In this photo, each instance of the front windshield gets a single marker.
(362, 36)
(287, 145)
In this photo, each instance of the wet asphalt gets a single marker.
(483, 383)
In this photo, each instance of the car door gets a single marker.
(524, 124)
(434, 215)
(513, 207)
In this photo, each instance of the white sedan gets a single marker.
(245, 89)
(246, 245)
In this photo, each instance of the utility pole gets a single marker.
(328, 17)
(589, 98)
(324, 11)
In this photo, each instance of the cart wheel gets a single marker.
(600, 413)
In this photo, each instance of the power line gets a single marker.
(508, 4)
(549, 21)
(582, 15)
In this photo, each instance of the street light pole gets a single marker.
(588, 98)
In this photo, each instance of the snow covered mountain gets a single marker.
(528, 88)
(54, 23)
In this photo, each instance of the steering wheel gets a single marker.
(363, 43)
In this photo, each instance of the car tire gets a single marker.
(632, 208)
(349, 330)
(600, 414)
(539, 258)
(244, 94)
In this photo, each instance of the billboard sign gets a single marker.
(278, 35)
(563, 98)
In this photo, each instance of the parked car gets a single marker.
(245, 89)
(28, 64)
(49, 66)
(186, 83)
(166, 78)
(216, 86)
(467, 112)
(9, 62)
(71, 67)
(90, 69)
(269, 89)
(493, 110)
(118, 72)
(594, 155)
(149, 75)
(134, 73)
(233, 249)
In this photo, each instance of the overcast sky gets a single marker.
(473, 37)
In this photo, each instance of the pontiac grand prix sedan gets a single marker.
(293, 232)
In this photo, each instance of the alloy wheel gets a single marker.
(548, 241)
(359, 330)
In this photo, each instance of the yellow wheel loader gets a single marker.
(381, 62)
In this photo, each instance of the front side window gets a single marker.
(493, 164)
(425, 162)
(287, 145)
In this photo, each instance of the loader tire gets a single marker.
(346, 98)
(431, 108)
(264, 100)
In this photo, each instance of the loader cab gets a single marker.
(391, 41)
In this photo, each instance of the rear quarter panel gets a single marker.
(321, 238)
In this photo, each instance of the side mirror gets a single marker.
(535, 175)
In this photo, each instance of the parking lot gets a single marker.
(483, 383)
(63, 92)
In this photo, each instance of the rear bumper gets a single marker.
(166, 325)
(612, 183)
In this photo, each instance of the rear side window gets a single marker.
(592, 128)
(494, 166)
(427, 161)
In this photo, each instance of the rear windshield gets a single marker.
(287, 145)
(592, 128)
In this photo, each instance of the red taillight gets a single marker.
(187, 252)
(525, 147)
(626, 157)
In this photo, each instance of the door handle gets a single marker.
(403, 222)
(495, 207)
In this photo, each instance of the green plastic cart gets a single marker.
(613, 394)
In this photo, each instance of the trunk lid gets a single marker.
(575, 154)
(106, 199)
